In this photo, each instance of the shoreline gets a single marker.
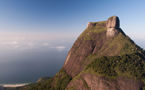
(13, 85)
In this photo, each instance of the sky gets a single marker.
(69, 16)
(32, 30)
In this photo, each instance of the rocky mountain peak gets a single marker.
(113, 26)
(113, 22)
(102, 38)
(98, 62)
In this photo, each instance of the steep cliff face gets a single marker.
(93, 82)
(113, 26)
(102, 39)
(102, 58)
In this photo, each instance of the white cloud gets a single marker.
(25, 41)
(31, 44)
(45, 44)
(59, 48)
(15, 42)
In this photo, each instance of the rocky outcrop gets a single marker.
(113, 22)
(111, 32)
(102, 58)
(83, 47)
(93, 82)
(113, 26)
(96, 40)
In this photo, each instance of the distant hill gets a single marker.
(102, 58)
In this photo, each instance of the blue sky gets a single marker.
(69, 17)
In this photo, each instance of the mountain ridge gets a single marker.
(100, 38)
(104, 58)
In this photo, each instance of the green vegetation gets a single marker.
(71, 88)
(124, 44)
(98, 28)
(111, 67)
(119, 45)
(59, 82)
(43, 85)
(132, 66)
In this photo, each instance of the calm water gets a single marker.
(26, 61)
(27, 66)
(26, 58)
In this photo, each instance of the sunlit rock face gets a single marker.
(111, 32)
(113, 25)
(113, 22)
(102, 58)
(99, 38)
(91, 41)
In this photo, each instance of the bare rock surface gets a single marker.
(113, 26)
(80, 50)
(93, 82)
(111, 32)
(113, 22)
(99, 39)
(92, 42)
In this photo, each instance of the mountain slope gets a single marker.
(102, 58)
(102, 39)
(112, 73)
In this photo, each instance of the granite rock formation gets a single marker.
(113, 26)
(96, 40)
(93, 82)
(102, 58)
(113, 22)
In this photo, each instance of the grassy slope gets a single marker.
(98, 28)
(131, 65)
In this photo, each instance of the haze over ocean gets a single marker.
(26, 58)
(35, 35)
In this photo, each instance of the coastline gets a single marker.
(13, 85)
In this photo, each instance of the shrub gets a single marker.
(59, 82)
(132, 65)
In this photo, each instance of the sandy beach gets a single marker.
(14, 85)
